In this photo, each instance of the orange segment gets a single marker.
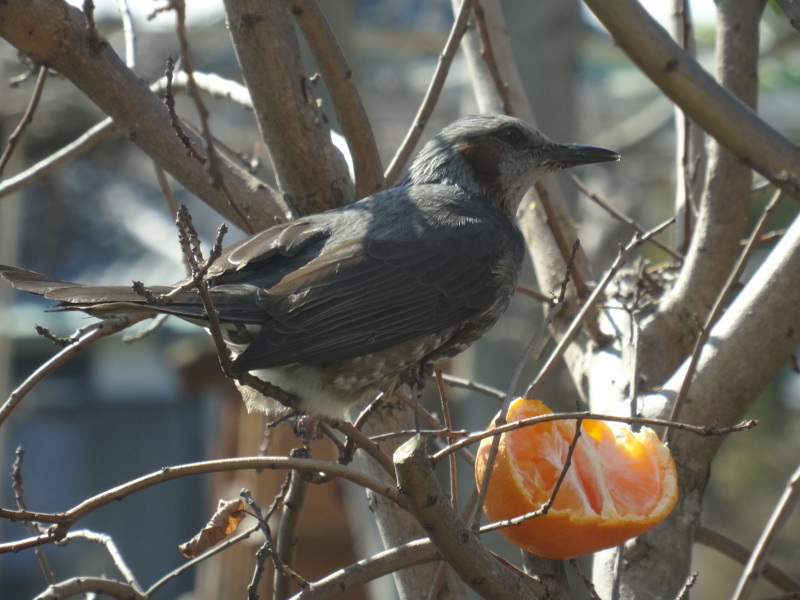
(620, 483)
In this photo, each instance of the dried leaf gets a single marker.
(224, 522)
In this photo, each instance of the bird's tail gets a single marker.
(96, 300)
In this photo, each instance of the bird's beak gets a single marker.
(570, 155)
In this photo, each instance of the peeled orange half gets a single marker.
(620, 483)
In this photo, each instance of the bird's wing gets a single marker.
(285, 240)
(366, 295)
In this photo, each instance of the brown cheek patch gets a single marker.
(482, 158)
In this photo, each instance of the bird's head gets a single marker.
(498, 156)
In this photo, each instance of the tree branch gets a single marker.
(723, 207)
(311, 172)
(688, 85)
(88, 585)
(748, 345)
(344, 95)
(422, 495)
(62, 522)
(54, 33)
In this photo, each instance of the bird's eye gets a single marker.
(512, 134)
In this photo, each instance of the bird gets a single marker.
(338, 307)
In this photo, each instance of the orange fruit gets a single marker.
(620, 483)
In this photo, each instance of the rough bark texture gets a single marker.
(311, 172)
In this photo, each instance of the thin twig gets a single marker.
(431, 433)
(26, 120)
(692, 154)
(268, 548)
(448, 421)
(532, 293)
(33, 528)
(777, 521)
(150, 593)
(572, 331)
(90, 587)
(129, 33)
(62, 522)
(633, 373)
(620, 216)
(434, 423)
(95, 42)
(286, 542)
(413, 553)
(211, 159)
(528, 421)
(719, 304)
(100, 131)
(85, 337)
(400, 159)
(473, 386)
(483, 488)
(768, 237)
(586, 581)
(81, 145)
(344, 95)
(108, 543)
(367, 445)
(438, 581)
(687, 587)
(545, 508)
(488, 56)
(735, 551)
(350, 443)
(566, 249)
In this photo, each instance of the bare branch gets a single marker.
(574, 326)
(620, 216)
(424, 498)
(33, 528)
(89, 585)
(286, 542)
(403, 154)
(496, 430)
(27, 118)
(723, 207)
(130, 33)
(396, 559)
(344, 94)
(719, 304)
(687, 84)
(792, 10)
(725, 545)
(777, 521)
(84, 338)
(55, 33)
(358, 439)
(691, 156)
(64, 521)
(108, 543)
(289, 119)
(83, 144)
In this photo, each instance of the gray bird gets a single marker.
(339, 306)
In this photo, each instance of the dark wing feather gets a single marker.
(367, 295)
(285, 240)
